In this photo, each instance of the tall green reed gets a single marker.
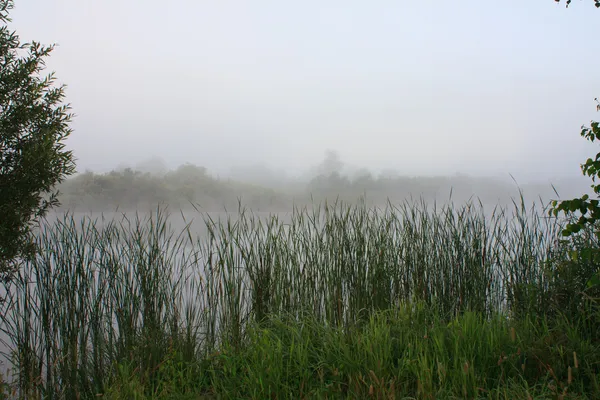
(129, 291)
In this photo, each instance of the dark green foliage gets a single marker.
(588, 208)
(33, 126)
(588, 211)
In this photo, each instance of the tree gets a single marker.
(34, 123)
(332, 164)
(154, 166)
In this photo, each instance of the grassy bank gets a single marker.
(407, 353)
(409, 301)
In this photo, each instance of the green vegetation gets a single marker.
(589, 210)
(343, 301)
(34, 124)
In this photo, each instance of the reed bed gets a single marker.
(113, 301)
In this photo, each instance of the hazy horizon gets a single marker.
(424, 88)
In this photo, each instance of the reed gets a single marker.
(109, 301)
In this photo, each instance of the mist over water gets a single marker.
(279, 105)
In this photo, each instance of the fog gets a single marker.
(260, 91)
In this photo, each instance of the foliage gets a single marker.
(588, 209)
(34, 124)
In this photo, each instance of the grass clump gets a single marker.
(405, 353)
(338, 301)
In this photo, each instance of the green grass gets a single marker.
(343, 301)
(406, 353)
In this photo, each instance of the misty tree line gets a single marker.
(151, 183)
(131, 189)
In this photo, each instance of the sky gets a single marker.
(425, 87)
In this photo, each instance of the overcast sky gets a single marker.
(426, 87)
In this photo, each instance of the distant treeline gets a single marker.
(190, 184)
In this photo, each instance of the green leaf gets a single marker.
(594, 280)
(574, 205)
